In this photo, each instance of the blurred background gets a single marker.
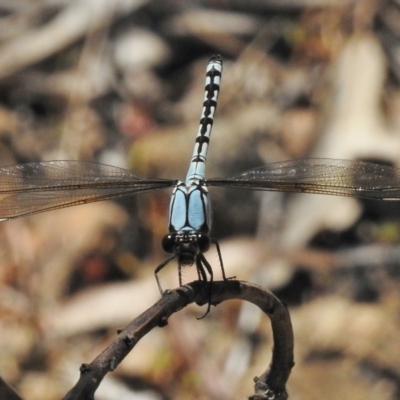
(121, 82)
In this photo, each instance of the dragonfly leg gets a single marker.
(202, 265)
(159, 268)
(200, 276)
(215, 242)
(180, 274)
(200, 268)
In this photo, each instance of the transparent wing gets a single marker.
(27, 189)
(320, 175)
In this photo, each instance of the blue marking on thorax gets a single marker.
(197, 208)
(178, 208)
(190, 208)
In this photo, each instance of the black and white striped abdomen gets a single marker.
(212, 86)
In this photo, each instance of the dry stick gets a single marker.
(270, 385)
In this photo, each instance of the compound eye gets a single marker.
(203, 242)
(168, 243)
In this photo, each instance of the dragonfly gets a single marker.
(27, 189)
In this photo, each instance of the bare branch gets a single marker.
(271, 384)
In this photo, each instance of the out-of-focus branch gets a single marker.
(6, 392)
(270, 383)
(71, 24)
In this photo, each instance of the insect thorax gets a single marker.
(190, 208)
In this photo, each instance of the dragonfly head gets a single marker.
(186, 245)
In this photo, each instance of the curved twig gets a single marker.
(270, 385)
